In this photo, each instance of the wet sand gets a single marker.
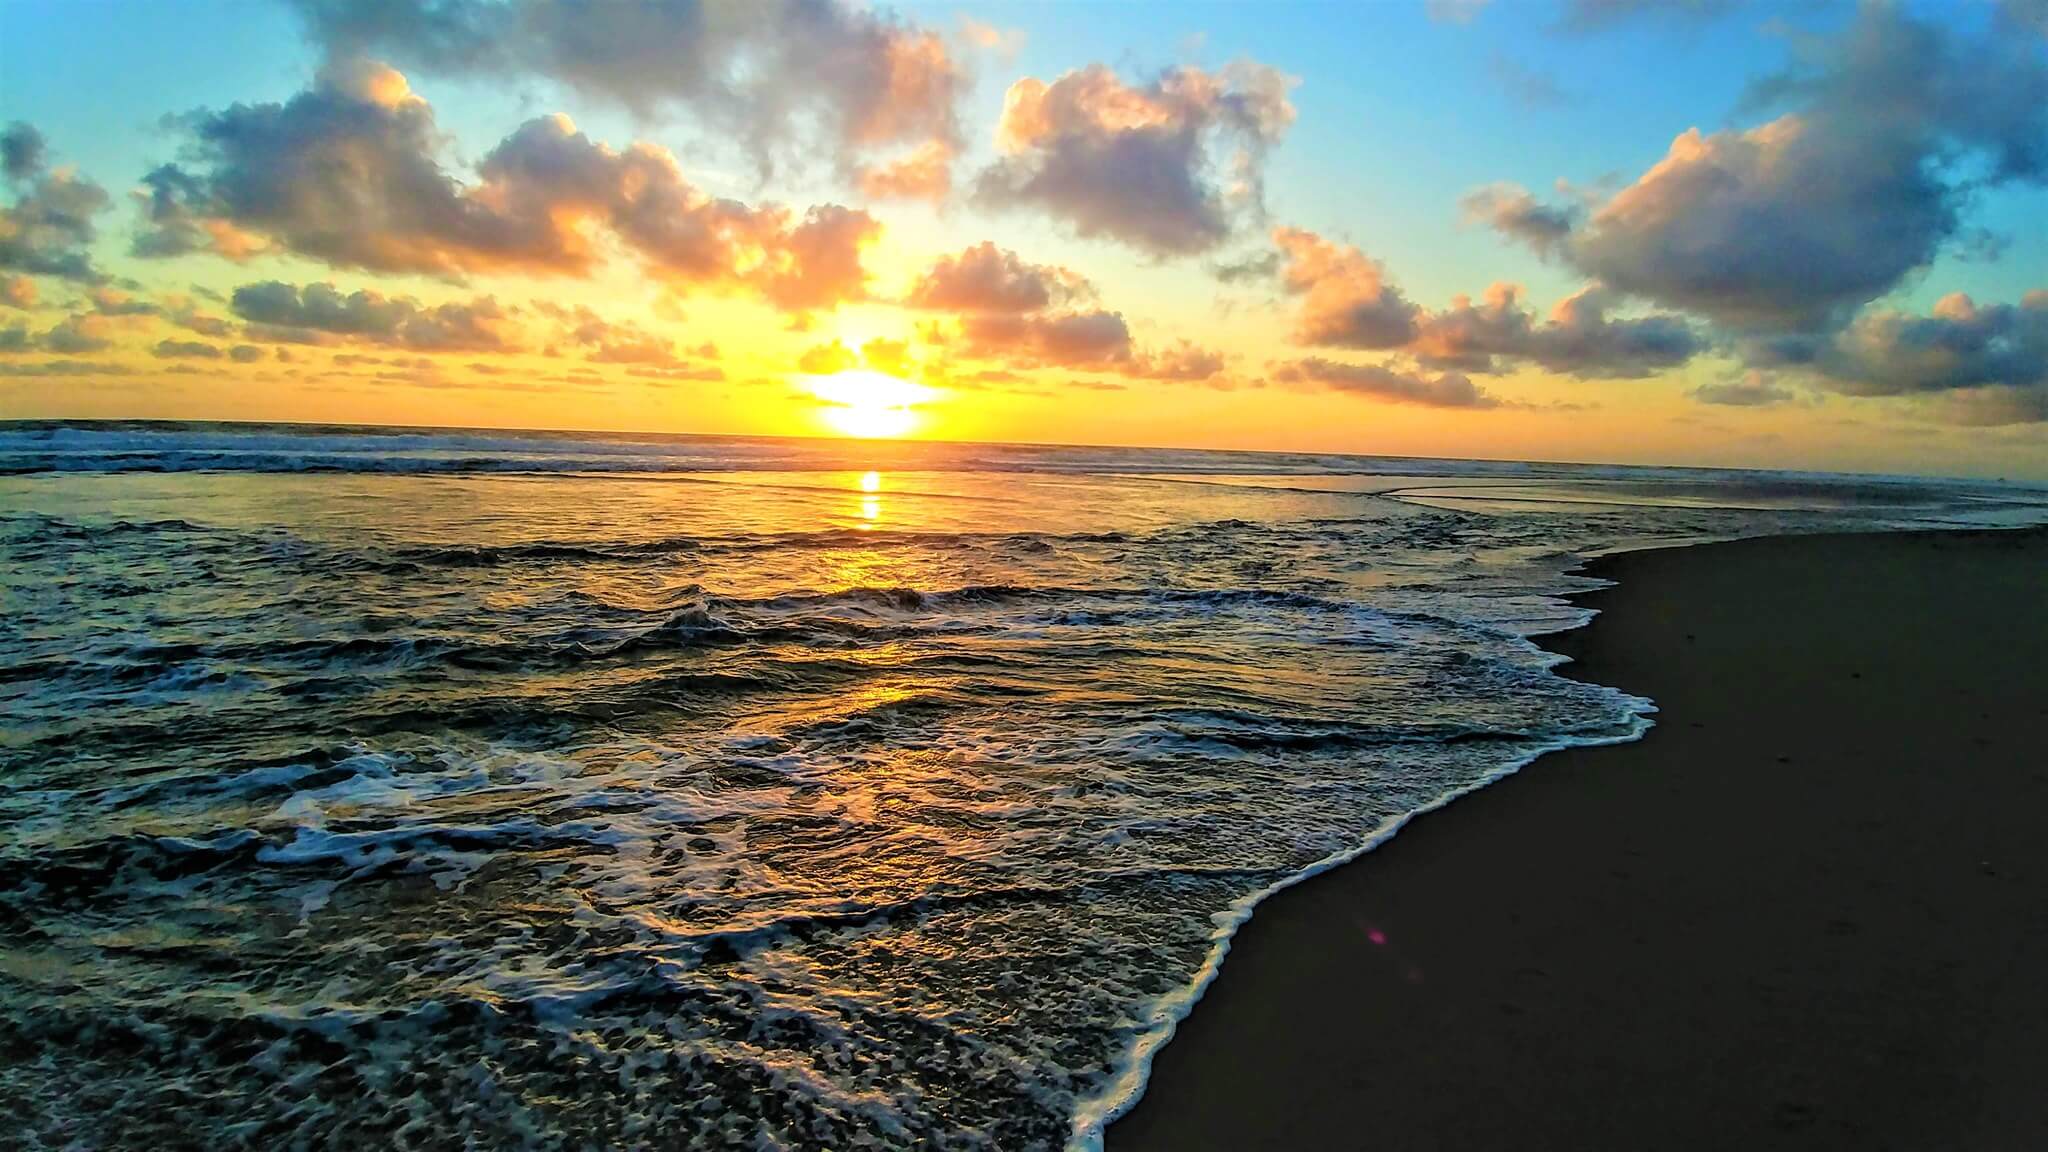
(1809, 910)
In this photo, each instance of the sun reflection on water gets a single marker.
(870, 508)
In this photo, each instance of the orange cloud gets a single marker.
(346, 172)
(825, 359)
(1346, 300)
(1066, 339)
(985, 278)
(926, 174)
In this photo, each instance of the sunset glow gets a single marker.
(1616, 232)
(868, 404)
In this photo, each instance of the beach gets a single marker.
(1805, 911)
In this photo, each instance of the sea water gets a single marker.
(429, 789)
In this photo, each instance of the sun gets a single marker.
(869, 404)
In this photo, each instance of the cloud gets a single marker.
(47, 227)
(114, 302)
(77, 334)
(1516, 214)
(64, 368)
(1994, 407)
(1966, 363)
(926, 174)
(23, 152)
(1041, 315)
(826, 359)
(786, 77)
(1348, 302)
(817, 264)
(996, 380)
(1168, 167)
(185, 350)
(1578, 338)
(346, 172)
(985, 278)
(673, 373)
(606, 342)
(1447, 390)
(887, 356)
(647, 351)
(553, 178)
(1961, 344)
(1753, 390)
(318, 313)
(1795, 222)
(185, 315)
(172, 204)
(1182, 361)
(17, 292)
(1065, 339)
(891, 356)
(1346, 299)
(1252, 268)
(1739, 227)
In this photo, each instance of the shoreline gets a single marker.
(1237, 1079)
(1092, 1122)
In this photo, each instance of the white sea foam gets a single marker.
(1160, 1019)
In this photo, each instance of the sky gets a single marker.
(1803, 235)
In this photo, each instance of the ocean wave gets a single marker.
(37, 447)
(558, 811)
(413, 558)
(43, 446)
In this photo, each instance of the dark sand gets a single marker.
(1809, 910)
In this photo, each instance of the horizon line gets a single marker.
(6, 422)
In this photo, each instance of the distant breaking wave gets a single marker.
(30, 447)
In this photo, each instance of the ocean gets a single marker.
(441, 789)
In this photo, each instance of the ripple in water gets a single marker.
(737, 809)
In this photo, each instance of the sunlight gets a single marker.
(869, 404)
(870, 511)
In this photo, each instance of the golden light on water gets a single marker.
(869, 404)
(869, 510)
